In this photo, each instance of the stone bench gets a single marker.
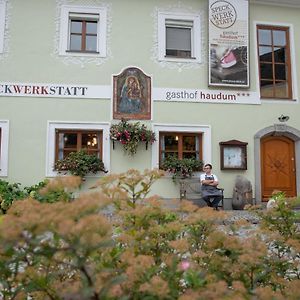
(190, 189)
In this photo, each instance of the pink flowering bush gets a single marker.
(116, 242)
(130, 135)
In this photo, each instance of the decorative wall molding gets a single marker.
(8, 9)
(184, 9)
(82, 60)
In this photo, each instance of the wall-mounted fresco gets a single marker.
(132, 95)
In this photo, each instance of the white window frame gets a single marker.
(293, 63)
(56, 125)
(2, 24)
(205, 130)
(64, 38)
(195, 36)
(4, 125)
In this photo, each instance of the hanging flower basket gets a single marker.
(130, 135)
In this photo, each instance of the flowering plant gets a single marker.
(181, 168)
(80, 164)
(130, 135)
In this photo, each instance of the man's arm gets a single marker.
(212, 182)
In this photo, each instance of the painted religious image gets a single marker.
(132, 95)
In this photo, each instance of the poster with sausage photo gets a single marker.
(229, 43)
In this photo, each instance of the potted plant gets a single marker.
(130, 135)
(181, 168)
(80, 164)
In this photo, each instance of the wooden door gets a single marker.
(278, 168)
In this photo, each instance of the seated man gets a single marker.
(209, 183)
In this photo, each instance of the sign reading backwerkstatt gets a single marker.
(54, 90)
(229, 43)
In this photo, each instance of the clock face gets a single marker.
(233, 157)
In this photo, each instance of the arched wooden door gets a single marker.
(278, 166)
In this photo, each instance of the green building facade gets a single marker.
(64, 63)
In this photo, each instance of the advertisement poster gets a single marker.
(228, 43)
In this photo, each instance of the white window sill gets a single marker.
(181, 60)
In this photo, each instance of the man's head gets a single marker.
(207, 168)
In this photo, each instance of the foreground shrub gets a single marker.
(116, 242)
(60, 189)
(8, 193)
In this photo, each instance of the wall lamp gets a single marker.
(283, 118)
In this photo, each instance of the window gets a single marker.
(179, 37)
(181, 140)
(83, 31)
(83, 35)
(2, 25)
(68, 141)
(274, 62)
(64, 138)
(4, 134)
(181, 145)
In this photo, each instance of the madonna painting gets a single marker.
(132, 95)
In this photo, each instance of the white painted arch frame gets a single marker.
(275, 130)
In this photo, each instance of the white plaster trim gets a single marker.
(61, 33)
(4, 125)
(2, 24)
(179, 9)
(50, 150)
(64, 29)
(293, 63)
(204, 129)
(5, 16)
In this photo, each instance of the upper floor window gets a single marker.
(180, 144)
(68, 141)
(83, 31)
(2, 25)
(179, 37)
(274, 60)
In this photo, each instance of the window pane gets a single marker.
(264, 37)
(266, 71)
(281, 90)
(69, 140)
(279, 55)
(76, 26)
(91, 43)
(178, 38)
(266, 89)
(75, 42)
(171, 143)
(91, 27)
(178, 53)
(280, 72)
(279, 38)
(265, 53)
(189, 143)
(90, 141)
